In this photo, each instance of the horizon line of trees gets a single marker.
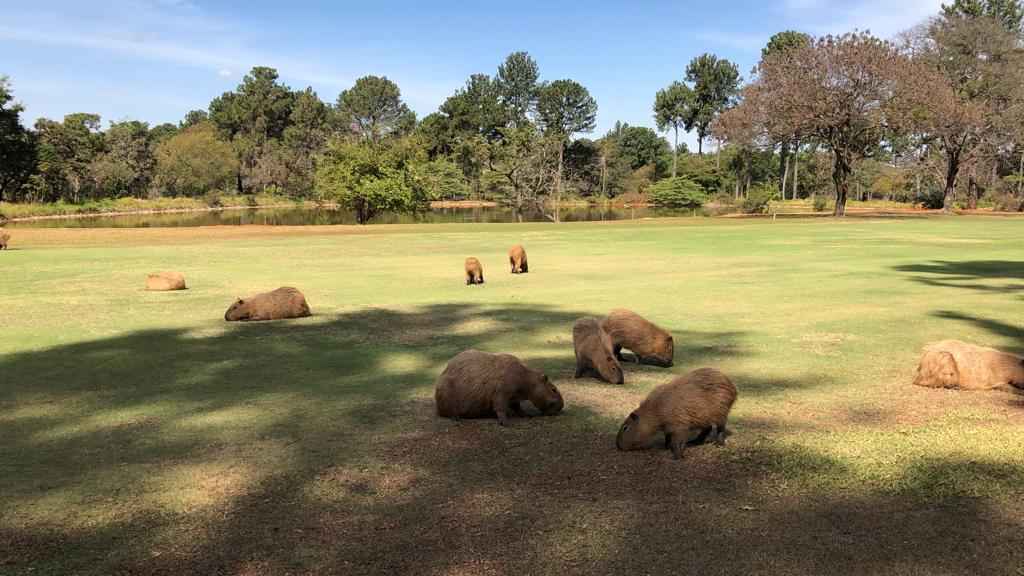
(935, 116)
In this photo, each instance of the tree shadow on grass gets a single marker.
(980, 275)
(118, 451)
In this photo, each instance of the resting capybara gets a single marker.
(517, 259)
(4, 237)
(955, 364)
(282, 303)
(483, 385)
(474, 271)
(648, 343)
(696, 402)
(164, 281)
(594, 351)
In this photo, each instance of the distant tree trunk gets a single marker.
(972, 191)
(558, 183)
(604, 175)
(796, 170)
(700, 143)
(1020, 174)
(785, 174)
(952, 170)
(675, 152)
(841, 179)
(718, 155)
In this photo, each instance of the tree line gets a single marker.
(935, 116)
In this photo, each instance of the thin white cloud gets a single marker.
(883, 18)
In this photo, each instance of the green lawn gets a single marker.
(140, 433)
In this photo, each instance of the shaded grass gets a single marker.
(142, 434)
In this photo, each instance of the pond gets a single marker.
(321, 216)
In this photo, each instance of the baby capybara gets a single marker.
(594, 351)
(282, 303)
(517, 259)
(648, 343)
(4, 237)
(474, 271)
(696, 402)
(955, 364)
(165, 281)
(483, 385)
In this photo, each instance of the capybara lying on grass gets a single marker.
(648, 343)
(594, 351)
(164, 281)
(4, 237)
(474, 271)
(517, 259)
(696, 402)
(955, 364)
(282, 303)
(482, 385)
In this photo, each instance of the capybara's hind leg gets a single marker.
(617, 350)
(702, 436)
(516, 409)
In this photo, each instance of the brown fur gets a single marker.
(4, 237)
(482, 385)
(164, 281)
(648, 343)
(517, 260)
(474, 271)
(955, 364)
(696, 402)
(594, 351)
(282, 303)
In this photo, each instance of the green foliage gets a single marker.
(1009, 13)
(372, 178)
(17, 145)
(715, 86)
(758, 199)
(566, 108)
(442, 179)
(785, 40)
(672, 107)
(823, 203)
(65, 152)
(517, 88)
(373, 109)
(702, 170)
(678, 192)
(195, 162)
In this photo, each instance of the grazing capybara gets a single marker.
(594, 351)
(474, 271)
(164, 281)
(282, 303)
(479, 384)
(517, 259)
(648, 343)
(4, 237)
(696, 402)
(955, 364)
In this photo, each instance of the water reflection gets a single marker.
(320, 216)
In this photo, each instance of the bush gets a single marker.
(1005, 201)
(758, 200)
(933, 199)
(678, 192)
(821, 203)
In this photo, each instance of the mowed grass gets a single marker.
(142, 434)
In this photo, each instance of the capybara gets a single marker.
(479, 384)
(696, 402)
(474, 271)
(282, 303)
(594, 351)
(648, 343)
(955, 364)
(517, 259)
(4, 237)
(164, 281)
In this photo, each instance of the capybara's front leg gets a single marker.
(516, 409)
(617, 349)
(718, 434)
(676, 440)
(579, 371)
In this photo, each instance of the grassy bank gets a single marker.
(136, 205)
(144, 435)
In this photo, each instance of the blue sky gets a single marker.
(154, 60)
